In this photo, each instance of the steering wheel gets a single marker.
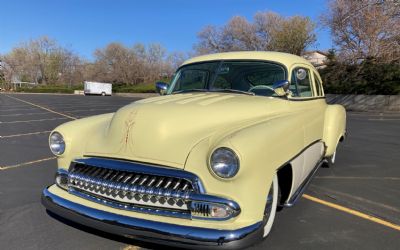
(262, 90)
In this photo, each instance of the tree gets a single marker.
(42, 61)
(364, 29)
(269, 31)
(119, 64)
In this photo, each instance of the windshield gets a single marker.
(253, 77)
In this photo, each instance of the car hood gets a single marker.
(164, 129)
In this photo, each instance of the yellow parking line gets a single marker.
(18, 135)
(27, 163)
(130, 247)
(353, 212)
(47, 109)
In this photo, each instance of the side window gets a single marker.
(301, 85)
(318, 86)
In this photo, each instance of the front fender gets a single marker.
(262, 148)
(334, 127)
(77, 133)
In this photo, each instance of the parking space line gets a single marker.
(353, 212)
(47, 109)
(18, 135)
(131, 247)
(26, 163)
(38, 120)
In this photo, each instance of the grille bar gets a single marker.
(144, 187)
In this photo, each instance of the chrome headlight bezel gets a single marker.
(56, 143)
(224, 163)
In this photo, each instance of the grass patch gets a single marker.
(50, 89)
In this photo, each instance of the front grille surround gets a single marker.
(140, 187)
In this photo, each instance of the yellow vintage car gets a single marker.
(234, 137)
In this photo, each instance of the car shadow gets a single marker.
(109, 236)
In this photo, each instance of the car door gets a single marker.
(309, 105)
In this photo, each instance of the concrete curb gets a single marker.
(363, 103)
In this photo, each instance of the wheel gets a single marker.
(103, 93)
(270, 207)
(329, 161)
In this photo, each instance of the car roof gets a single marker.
(284, 58)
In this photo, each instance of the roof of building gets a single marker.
(316, 51)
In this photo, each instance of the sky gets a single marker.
(84, 25)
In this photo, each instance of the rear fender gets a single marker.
(334, 127)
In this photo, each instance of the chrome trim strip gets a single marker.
(143, 168)
(152, 231)
(62, 171)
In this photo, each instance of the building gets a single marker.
(316, 57)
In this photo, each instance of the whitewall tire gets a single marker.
(270, 207)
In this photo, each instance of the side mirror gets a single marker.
(281, 88)
(161, 88)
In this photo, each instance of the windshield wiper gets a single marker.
(232, 91)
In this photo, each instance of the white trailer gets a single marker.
(97, 88)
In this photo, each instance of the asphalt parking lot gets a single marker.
(354, 205)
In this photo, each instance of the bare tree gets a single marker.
(210, 40)
(365, 29)
(119, 64)
(269, 31)
(42, 61)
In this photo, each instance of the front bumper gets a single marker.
(152, 231)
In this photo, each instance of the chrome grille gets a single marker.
(137, 186)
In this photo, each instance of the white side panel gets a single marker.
(297, 167)
(311, 157)
(303, 164)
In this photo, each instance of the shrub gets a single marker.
(367, 77)
(141, 88)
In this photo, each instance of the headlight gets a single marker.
(57, 144)
(224, 162)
